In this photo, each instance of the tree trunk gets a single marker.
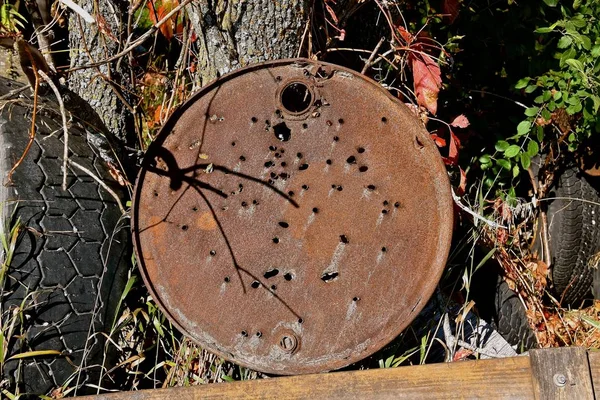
(235, 33)
(101, 87)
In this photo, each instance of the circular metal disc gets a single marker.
(292, 217)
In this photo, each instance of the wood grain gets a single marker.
(561, 373)
(508, 378)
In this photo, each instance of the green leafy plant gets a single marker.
(565, 98)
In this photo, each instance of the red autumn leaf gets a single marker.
(462, 186)
(441, 142)
(460, 122)
(158, 12)
(406, 35)
(452, 158)
(427, 78)
(450, 8)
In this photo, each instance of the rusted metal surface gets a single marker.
(292, 217)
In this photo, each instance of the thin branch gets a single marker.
(100, 182)
(466, 209)
(370, 60)
(77, 9)
(64, 125)
(139, 41)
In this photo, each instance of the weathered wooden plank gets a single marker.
(594, 360)
(508, 378)
(561, 373)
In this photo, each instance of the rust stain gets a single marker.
(319, 216)
(206, 221)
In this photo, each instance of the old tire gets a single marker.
(510, 319)
(69, 265)
(573, 212)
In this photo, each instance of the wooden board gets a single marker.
(508, 378)
(561, 373)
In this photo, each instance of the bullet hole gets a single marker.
(355, 298)
(303, 167)
(329, 123)
(282, 151)
(233, 144)
(333, 186)
(277, 155)
(258, 334)
(242, 158)
(299, 155)
(340, 121)
(273, 287)
(255, 202)
(344, 239)
(397, 204)
(267, 125)
(269, 164)
(155, 193)
(291, 193)
(418, 143)
(304, 126)
(296, 97)
(184, 227)
(274, 176)
(278, 112)
(212, 252)
(328, 162)
(384, 211)
(227, 279)
(318, 103)
(194, 208)
(363, 168)
(276, 240)
(244, 334)
(271, 273)
(383, 249)
(330, 276)
(305, 187)
(284, 224)
(385, 203)
(254, 120)
(340, 188)
(288, 276)
(283, 164)
(271, 182)
(315, 210)
(335, 138)
(282, 132)
(371, 187)
(384, 120)
(255, 284)
(244, 204)
(361, 150)
(272, 148)
(300, 320)
(278, 78)
(283, 175)
(240, 188)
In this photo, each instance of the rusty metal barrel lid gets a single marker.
(292, 217)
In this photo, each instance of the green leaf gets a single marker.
(596, 100)
(525, 160)
(35, 353)
(485, 159)
(539, 133)
(557, 95)
(564, 42)
(524, 127)
(546, 114)
(574, 109)
(530, 88)
(532, 111)
(532, 148)
(512, 151)
(546, 29)
(502, 145)
(596, 51)
(551, 3)
(522, 83)
(578, 65)
(586, 43)
(515, 171)
(504, 164)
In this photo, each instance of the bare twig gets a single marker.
(372, 56)
(466, 209)
(100, 182)
(14, 92)
(139, 41)
(77, 9)
(64, 125)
